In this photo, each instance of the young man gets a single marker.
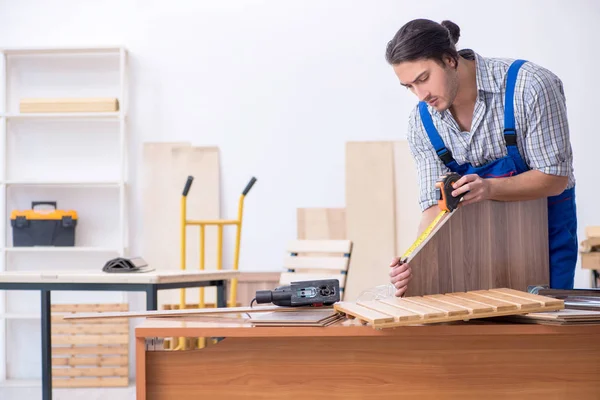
(501, 124)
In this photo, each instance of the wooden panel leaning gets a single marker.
(394, 311)
(317, 259)
(483, 246)
(92, 352)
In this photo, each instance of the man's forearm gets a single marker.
(526, 186)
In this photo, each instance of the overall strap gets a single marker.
(510, 133)
(434, 137)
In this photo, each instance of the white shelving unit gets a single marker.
(78, 160)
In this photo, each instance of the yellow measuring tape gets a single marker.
(423, 236)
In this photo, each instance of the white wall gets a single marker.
(280, 86)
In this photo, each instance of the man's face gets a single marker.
(431, 82)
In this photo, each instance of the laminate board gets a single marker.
(484, 245)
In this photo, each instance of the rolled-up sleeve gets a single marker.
(429, 166)
(547, 142)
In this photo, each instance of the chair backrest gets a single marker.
(317, 259)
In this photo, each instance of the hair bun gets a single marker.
(453, 29)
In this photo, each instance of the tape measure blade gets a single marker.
(423, 236)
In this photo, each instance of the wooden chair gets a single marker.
(317, 259)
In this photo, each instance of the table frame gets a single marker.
(45, 288)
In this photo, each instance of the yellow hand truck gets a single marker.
(202, 224)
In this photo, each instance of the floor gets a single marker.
(34, 393)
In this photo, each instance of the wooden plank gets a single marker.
(497, 305)
(472, 306)
(319, 246)
(166, 167)
(448, 309)
(87, 350)
(544, 300)
(90, 339)
(80, 329)
(363, 313)
(519, 302)
(177, 313)
(399, 314)
(321, 223)
(327, 263)
(56, 308)
(66, 105)
(87, 372)
(424, 311)
(90, 382)
(370, 214)
(479, 247)
(430, 314)
(96, 360)
(406, 194)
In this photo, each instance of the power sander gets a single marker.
(324, 292)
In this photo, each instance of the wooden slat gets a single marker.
(497, 305)
(94, 350)
(472, 306)
(66, 308)
(319, 246)
(89, 329)
(426, 308)
(327, 263)
(97, 360)
(544, 300)
(424, 311)
(90, 382)
(87, 372)
(523, 304)
(289, 277)
(449, 309)
(399, 314)
(60, 320)
(90, 339)
(363, 313)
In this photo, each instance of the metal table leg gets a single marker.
(46, 346)
(221, 294)
(151, 298)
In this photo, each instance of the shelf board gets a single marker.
(64, 183)
(61, 50)
(71, 115)
(60, 249)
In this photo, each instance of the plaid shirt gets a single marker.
(540, 121)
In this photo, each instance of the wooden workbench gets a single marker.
(474, 360)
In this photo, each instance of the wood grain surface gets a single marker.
(423, 367)
(483, 246)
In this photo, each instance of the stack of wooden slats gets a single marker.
(92, 352)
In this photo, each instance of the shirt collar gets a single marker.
(485, 79)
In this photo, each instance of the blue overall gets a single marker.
(562, 220)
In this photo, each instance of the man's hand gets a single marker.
(401, 274)
(478, 189)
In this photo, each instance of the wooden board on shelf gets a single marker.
(67, 105)
(458, 306)
(89, 353)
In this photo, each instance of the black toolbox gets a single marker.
(39, 227)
